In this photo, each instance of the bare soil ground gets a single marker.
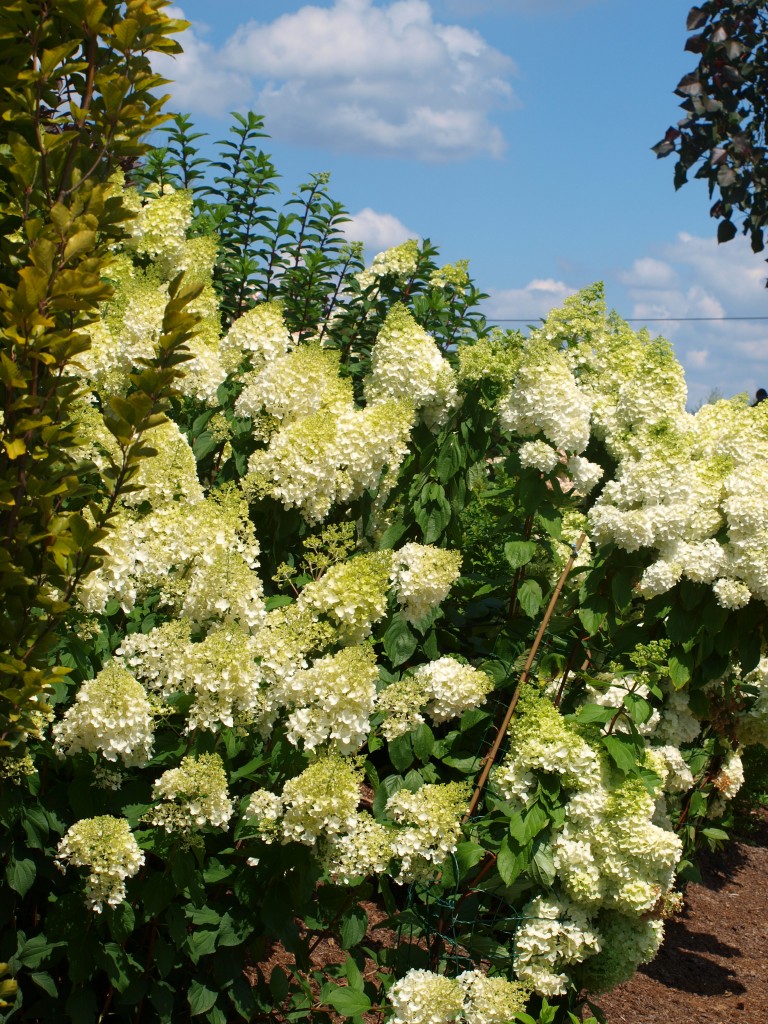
(713, 966)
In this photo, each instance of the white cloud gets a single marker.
(694, 278)
(647, 272)
(531, 303)
(697, 357)
(377, 231)
(357, 76)
(201, 83)
(531, 8)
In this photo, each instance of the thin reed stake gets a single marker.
(501, 732)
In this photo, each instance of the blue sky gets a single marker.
(514, 133)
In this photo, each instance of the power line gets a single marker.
(641, 319)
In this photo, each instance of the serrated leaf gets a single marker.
(348, 1001)
(399, 641)
(679, 672)
(45, 982)
(21, 875)
(594, 713)
(353, 927)
(624, 751)
(423, 742)
(511, 862)
(200, 998)
(530, 597)
(640, 710)
(519, 552)
(400, 751)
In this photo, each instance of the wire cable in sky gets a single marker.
(639, 319)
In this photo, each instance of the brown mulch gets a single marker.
(713, 965)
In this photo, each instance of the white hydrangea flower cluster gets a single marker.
(155, 657)
(299, 466)
(407, 365)
(161, 222)
(730, 777)
(539, 455)
(201, 555)
(681, 482)
(259, 335)
(676, 776)
(451, 688)
(401, 703)
(452, 275)
(111, 716)
(424, 997)
(678, 724)
(322, 801)
(265, 810)
(192, 796)
(442, 689)
(133, 319)
(221, 672)
(107, 847)
(612, 854)
(554, 934)
(491, 1000)
(285, 641)
(422, 576)
(353, 594)
(295, 385)
(171, 475)
(371, 441)
(332, 701)
(399, 261)
(586, 475)
(432, 826)
(364, 851)
(545, 398)
(332, 455)
(541, 740)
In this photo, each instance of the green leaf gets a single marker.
(511, 862)
(621, 589)
(594, 713)
(45, 982)
(35, 950)
(530, 597)
(449, 459)
(519, 552)
(543, 866)
(715, 833)
(355, 979)
(20, 875)
(591, 619)
(624, 751)
(348, 1001)
(679, 672)
(423, 741)
(469, 854)
(200, 998)
(401, 752)
(353, 926)
(640, 710)
(399, 641)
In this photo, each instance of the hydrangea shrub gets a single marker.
(431, 645)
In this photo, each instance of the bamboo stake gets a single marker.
(502, 730)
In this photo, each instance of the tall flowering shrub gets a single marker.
(402, 622)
